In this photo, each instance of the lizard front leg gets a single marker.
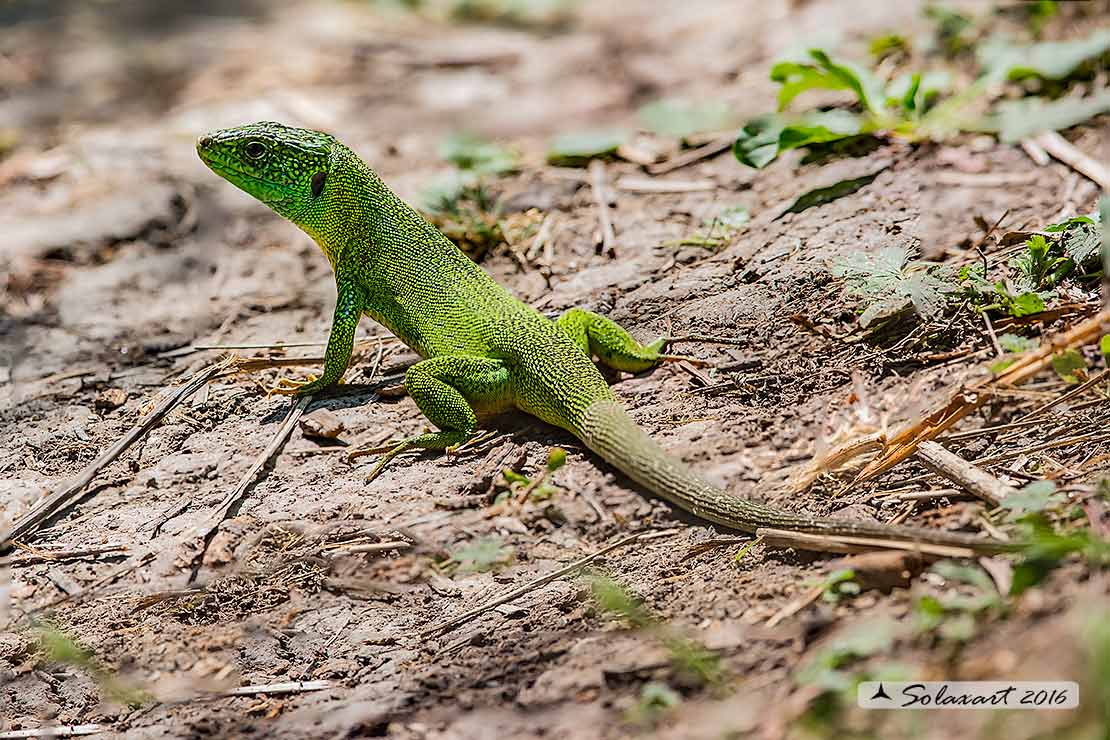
(613, 345)
(341, 341)
(448, 389)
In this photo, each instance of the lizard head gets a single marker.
(284, 167)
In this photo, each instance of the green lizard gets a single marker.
(484, 351)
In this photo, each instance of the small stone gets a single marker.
(322, 423)
(110, 398)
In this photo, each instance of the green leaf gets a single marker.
(681, 118)
(1015, 343)
(757, 144)
(819, 127)
(860, 640)
(733, 217)
(468, 152)
(1018, 119)
(765, 138)
(1026, 304)
(1104, 347)
(1000, 366)
(579, 148)
(959, 628)
(1054, 60)
(1073, 221)
(1067, 363)
(888, 44)
(443, 192)
(1036, 496)
(821, 196)
(556, 459)
(1046, 549)
(1082, 243)
(511, 476)
(928, 613)
(482, 555)
(871, 274)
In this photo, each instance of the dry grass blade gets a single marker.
(61, 500)
(846, 544)
(904, 444)
(1064, 398)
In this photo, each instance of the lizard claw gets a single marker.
(474, 441)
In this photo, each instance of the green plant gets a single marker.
(1047, 548)
(656, 699)
(921, 105)
(57, 646)
(892, 282)
(481, 555)
(691, 660)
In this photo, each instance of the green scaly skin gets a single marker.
(484, 351)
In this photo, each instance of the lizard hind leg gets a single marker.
(447, 389)
(613, 345)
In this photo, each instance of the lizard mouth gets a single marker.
(236, 175)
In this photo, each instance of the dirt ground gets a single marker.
(122, 253)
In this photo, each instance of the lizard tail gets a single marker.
(608, 430)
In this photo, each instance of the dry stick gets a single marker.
(843, 543)
(1035, 152)
(369, 547)
(972, 479)
(694, 155)
(541, 581)
(903, 444)
(542, 235)
(204, 532)
(993, 336)
(54, 731)
(1063, 150)
(51, 556)
(63, 499)
(648, 185)
(796, 605)
(282, 687)
(929, 495)
(605, 223)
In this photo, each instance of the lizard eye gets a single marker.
(255, 149)
(318, 181)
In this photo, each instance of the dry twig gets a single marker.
(202, 535)
(601, 198)
(973, 479)
(842, 543)
(1062, 149)
(904, 444)
(66, 497)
